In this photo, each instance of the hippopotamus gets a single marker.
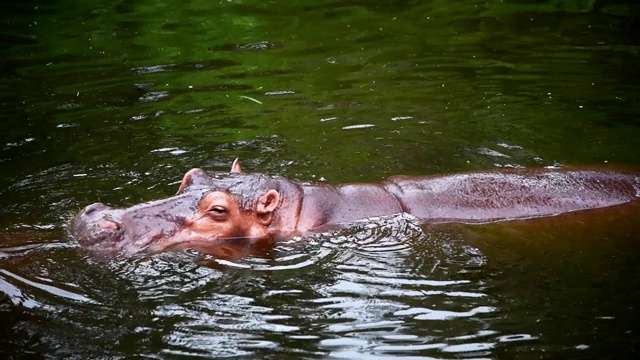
(220, 208)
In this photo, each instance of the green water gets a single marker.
(114, 101)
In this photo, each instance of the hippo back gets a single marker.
(493, 196)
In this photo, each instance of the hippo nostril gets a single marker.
(93, 208)
(108, 225)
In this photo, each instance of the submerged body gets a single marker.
(215, 208)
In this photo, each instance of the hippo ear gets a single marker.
(236, 168)
(266, 206)
(187, 180)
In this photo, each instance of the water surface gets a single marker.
(114, 101)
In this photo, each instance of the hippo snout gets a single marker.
(97, 225)
(148, 226)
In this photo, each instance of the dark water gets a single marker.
(114, 101)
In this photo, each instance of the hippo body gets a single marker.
(218, 208)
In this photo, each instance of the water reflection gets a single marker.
(351, 292)
(114, 102)
(363, 289)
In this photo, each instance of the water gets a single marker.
(113, 102)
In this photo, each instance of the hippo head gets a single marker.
(209, 209)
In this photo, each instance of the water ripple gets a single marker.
(53, 290)
(431, 314)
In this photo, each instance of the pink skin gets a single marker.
(213, 209)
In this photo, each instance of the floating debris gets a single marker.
(252, 99)
(361, 126)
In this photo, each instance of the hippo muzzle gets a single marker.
(98, 225)
(142, 227)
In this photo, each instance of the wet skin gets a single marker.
(218, 209)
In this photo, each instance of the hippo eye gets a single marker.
(218, 210)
